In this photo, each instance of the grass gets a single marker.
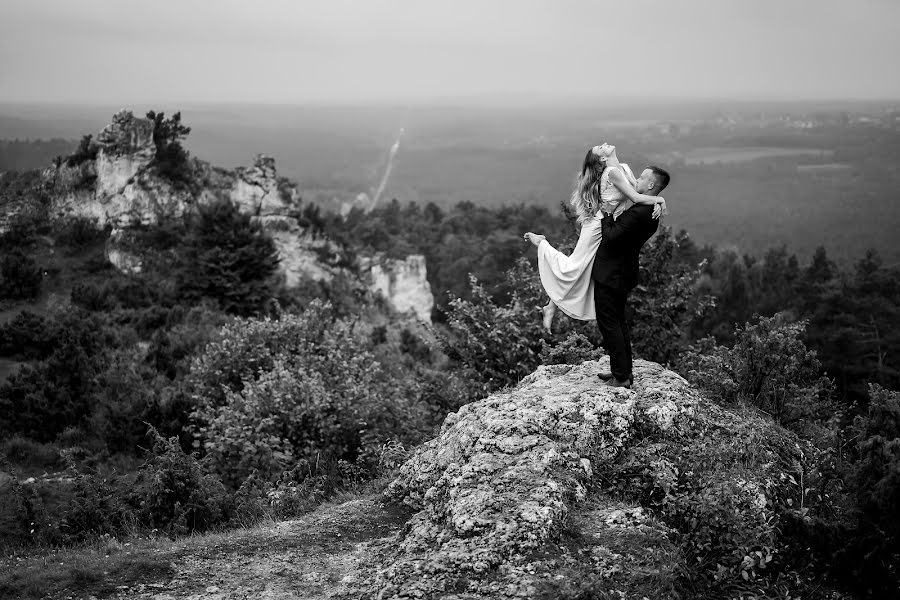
(95, 570)
(283, 554)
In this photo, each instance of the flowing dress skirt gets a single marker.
(567, 279)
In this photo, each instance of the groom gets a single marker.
(615, 272)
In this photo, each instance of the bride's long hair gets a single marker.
(586, 193)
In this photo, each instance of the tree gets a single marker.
(171, 160)
(20, 277)
(667, 303)
(227, 257)
(87, 151)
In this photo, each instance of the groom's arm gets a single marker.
(617, 231)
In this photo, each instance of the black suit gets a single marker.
(615, 273)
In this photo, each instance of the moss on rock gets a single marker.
(562, 487)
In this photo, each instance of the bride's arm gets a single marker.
(618, 179)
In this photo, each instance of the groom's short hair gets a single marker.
(662, 177)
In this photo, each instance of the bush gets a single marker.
(174, 494)
(666, 303)
(270, 392)
(79, 232)
(28, 336)
(87, 151)
(769, 367)
(574, 349)
(723, 485)
(498, 344)
(43, 399)
(414, 346)
(20, 277)
(876, 482)
(98, 506)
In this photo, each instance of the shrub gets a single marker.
(92, 296)
(25, 452)
(876, 482)
(666, 303)
(722, 485)
(79, 232)
(269, 392)
(414, 346)
(87, 151)
(497, 343)
(174, 494)
(574, 349)
(28, 336)
(20, 277)
(41, 400)
(769, 366)
(98, 505)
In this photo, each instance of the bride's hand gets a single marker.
(535, 238)
(659, 209)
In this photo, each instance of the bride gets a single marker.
(604, 183)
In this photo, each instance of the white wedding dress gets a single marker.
(567, 279)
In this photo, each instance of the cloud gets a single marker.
(361, 50)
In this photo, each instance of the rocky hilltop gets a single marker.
(521, 495)
(510, 496)
(127, 192)
(121, 189)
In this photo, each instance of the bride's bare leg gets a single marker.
(549, 312)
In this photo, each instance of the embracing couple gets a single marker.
(617, 213)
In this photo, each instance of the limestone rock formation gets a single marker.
(126, 192)
(119, 255)
(121, 189)
(117, 188)
(403, 283)
(300, 254)
(510, 498)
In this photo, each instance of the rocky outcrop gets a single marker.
(117, 188)
(402, 282)
(300, 255)
(126, 149)
(119, 255)
(121, 188)
(510, 498)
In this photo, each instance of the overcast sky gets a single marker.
(286, 51)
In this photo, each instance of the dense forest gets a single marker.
(201, 393)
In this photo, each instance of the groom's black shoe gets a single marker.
(613, 382)
(605, 375)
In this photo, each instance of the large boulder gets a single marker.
(515, 497)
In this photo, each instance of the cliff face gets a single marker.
(120, 188)
(126, 192)
(508, 496)
(403, 283)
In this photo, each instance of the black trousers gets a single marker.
(609, 304)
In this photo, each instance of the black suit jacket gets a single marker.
(616, 262)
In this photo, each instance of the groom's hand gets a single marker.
(660, 210)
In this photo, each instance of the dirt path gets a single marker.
(317, 556)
